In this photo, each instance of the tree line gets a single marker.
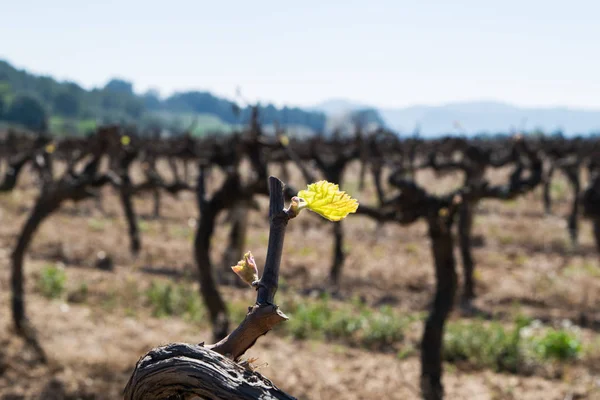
(30, 101)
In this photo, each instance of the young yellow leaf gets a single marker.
(327, 200)
(125, 140)
(246, 269)
(284, 140)
(50, 148)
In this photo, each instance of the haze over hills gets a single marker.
(475, 117)
(41, 102)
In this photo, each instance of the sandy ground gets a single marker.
(525, 261)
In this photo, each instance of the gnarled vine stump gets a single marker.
(183, 371)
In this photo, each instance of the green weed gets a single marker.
(52, 281)
(168, 299)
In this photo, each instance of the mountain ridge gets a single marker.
(67, 105)
(477, 116)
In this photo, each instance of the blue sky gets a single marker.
(386, 53)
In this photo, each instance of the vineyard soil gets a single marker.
(102, 322)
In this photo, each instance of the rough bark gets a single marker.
(186, 171)
(333, 173)
(278, 219)
(237, 241)
(39, 213)
(376, 171)
(130, 215)
(590, 199)
(465, 227)
(548, 190)
(446, 282)
(12, 173)
(338, 253)
(208, 285)
(180, 371)
(572, 173)
(156, 203)
(22, 325)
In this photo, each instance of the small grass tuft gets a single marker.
(558, 344)
(169, 299)
(52, 281)
(519, 349)
(351, 323)
(483, 345)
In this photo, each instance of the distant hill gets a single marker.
(477, 117)
(43, 103)
(69, 108)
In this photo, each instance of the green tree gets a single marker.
(67, 104)
(28, 111)
(5, 96)
(133, 107)
(151, 100)
(119, 86)
(45, 87)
